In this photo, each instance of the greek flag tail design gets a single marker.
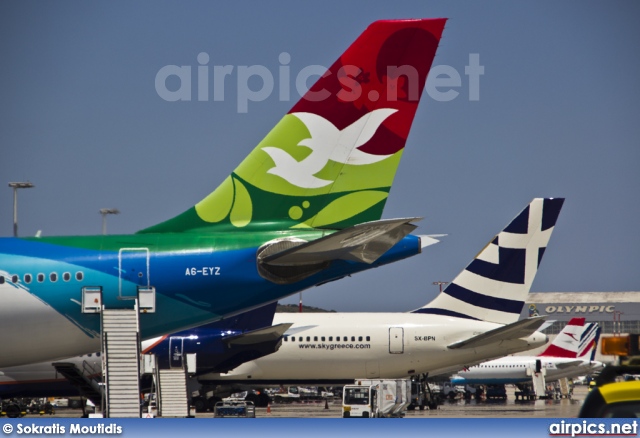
(494, 286)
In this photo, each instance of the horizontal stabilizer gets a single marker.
(296, 330)
(516, 330)
(362, 243)
(266, 334)
(565, 365)
(546, 325)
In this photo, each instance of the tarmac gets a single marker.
(509, 408)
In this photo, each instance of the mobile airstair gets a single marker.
(120, 330)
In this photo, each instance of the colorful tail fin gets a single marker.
(494, 286)
(576, 340)
(589, 341)
(567, 343)
(330, 162)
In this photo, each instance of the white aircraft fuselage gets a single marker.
(340, 347)
(517, 369)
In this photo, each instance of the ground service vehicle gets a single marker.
(376, 398)
(612, 398)
(234, 409)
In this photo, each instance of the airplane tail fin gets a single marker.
(330, 162)
(595, 343)
(494, 286)
(576, 340)
(567, 343)
(589, 341)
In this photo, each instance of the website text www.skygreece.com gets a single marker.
(593, 428)
(334, 346)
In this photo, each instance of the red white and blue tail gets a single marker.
(589, 341)
(576, 341)
(567, 343)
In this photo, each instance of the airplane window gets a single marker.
(293, 338)
(322, 338)
(79, 276)
(330, 338)
(353, 338)
(308, 338)
(27, 278)
(40, 278)
(359, 338)
(286, 338)
(53, 277)
(315, 338)
(14, 278)
(66, 276)
(1, 279)
(368, 338)
(98, 354)
(337, 338)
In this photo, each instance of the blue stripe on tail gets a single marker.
(443, 312)
(485, 301)
(551, 211)
(510, 268)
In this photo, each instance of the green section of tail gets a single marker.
(253, 197)
(244, 206)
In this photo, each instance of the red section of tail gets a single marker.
(386, 67)
(566, 336)
(577, 321)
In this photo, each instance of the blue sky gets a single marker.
(557, 115)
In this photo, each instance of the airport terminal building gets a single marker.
(616, 312)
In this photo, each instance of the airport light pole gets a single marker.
(104, 212)
(440, 284)
(15, 186)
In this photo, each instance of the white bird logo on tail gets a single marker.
(327, 143)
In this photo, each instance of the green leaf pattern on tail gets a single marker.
(253, 194)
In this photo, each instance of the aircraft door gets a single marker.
(396, 340)
(133, 268)
(176, 347)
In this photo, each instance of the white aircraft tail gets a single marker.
(567, 343)
(494, 286)
(576, 340)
